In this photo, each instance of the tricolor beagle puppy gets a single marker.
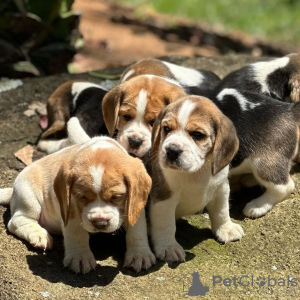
(73, 98)
(278, 78)
(193, 143)
(87, 188)
(131, 108)
(268, 132)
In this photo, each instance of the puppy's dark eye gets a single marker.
(82, 197)
(167, 129)
(127, 117)
(115, 199)
(151, 123)
(197, 135)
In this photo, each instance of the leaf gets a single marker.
(62, 28)
(26, 31)
(46, 10)
(25, 155)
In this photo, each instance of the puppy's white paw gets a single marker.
(139, 258)
(170, 252)
(80, 261)
(257, 208)
(41, 239)
(229, 232)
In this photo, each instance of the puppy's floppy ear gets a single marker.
(294, 80)
(110, 108)
(62, 188)
(226, 144)
(294, 85)
(139, 185)
(156, 133)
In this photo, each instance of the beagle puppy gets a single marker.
(268, 131)
(87, 188)
(193, 143)
(194, 81)
(278, 78)
(130, 109)
(73, 98)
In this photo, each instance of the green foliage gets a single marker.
(39, 34)
(274, 20)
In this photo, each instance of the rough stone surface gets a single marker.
(270, 248)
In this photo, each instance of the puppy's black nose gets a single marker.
(173, 152)
(135, 142)
(100, 223)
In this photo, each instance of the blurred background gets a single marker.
(39, 38)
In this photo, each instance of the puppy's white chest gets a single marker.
(191, 192)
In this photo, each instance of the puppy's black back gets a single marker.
(207, 86)
(244, 79)
(88, 110)
(263, 125)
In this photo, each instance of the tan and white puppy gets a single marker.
(132, 107)
(193, 144)
(87, 188)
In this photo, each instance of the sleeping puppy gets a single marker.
(86, 188)
(278, 78)
(131, 108)
(268, 132)
(73, 98)
(193, 143)
(193, 81)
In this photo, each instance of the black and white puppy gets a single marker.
(73, 98)
(278, 78)
(193, 143)
(268, 131)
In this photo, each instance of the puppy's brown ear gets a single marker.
(226, 144)
(294, 80)
(62, 188)
(139, 185)
(156, 133)
(294, 85)
(110, 108)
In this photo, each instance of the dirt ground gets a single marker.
(109, 44)
(270, 248)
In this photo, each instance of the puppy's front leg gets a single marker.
(163, 228)
(138, 254)
(78, 255)
(222, 226)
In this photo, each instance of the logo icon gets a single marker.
(192, 286)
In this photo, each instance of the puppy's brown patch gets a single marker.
(294, 81)
(147, 66)
(58, 108)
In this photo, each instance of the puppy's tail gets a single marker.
(51, 146)
(76, 134)
(5, 196)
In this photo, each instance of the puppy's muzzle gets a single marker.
(135, 142)
(173, 152)
(100, 223)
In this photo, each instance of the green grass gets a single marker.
(274, 20)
